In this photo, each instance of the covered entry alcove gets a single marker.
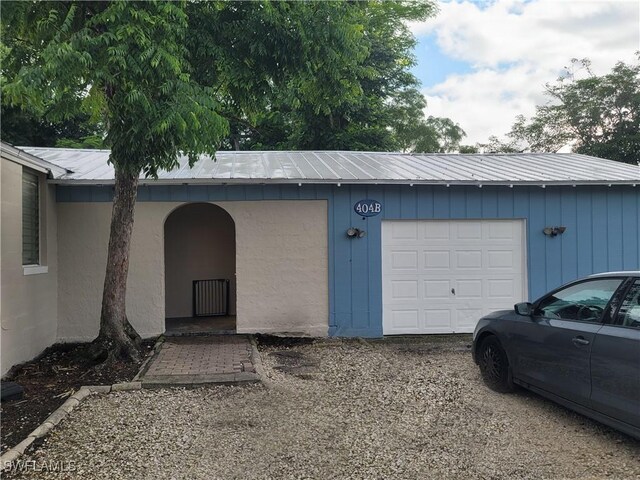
(200, 270)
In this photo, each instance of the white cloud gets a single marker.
(514, 48)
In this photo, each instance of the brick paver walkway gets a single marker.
(199, 360)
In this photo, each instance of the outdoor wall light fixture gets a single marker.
(355, 233)
(553, 231)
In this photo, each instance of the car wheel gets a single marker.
(494, 366)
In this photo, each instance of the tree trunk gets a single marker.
(117, 339)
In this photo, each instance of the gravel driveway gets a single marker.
(365, 410)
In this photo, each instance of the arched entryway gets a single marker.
(200, 268)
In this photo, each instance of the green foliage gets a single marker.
(496, 145)
(163, 77)
(88, 141)
(447, 134)
(418, 135)
(468, 149)
(152, 79)
(124, 64)
(597, 115)
(20, 127)
(364, 45)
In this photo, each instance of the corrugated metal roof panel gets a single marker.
(91, 167)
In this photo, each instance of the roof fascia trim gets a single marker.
(206, 181)
(21, 157)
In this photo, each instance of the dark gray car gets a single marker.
(579, 345)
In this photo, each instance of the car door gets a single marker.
(615, 362)
(553, 350)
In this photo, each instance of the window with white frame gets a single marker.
(30, 217)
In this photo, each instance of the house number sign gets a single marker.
(368, 208)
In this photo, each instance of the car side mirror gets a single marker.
(524, 308)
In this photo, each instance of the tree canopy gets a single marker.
(125, 65)
(279, 75)
(433, 135)
(363, 120)
(596, 115)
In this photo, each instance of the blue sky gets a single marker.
(433, 66)
(483, 63)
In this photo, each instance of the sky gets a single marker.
(481, 63)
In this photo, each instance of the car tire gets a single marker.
(494, 365)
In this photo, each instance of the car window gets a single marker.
(629, 313)
(584, 301)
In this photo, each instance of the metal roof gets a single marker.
(91, 167)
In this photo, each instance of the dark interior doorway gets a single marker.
(200, 267)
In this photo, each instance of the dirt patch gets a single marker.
(48, 381)
(282, 342)
(295, 363)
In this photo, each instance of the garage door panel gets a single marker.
(468, 259)
(404, 260)
(436, 259)
(436, 319)
(468, 289)
(469, 230)
(501, 288)
(481, 260)
(436, 231)
(436, 289)
(404, 231)
(503, 231)
(404, 289)
(405, 319)
(500, 259)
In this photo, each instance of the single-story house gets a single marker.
(307, 243)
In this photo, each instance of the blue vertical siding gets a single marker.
(374, 240)
(584, 229)
(198, 193)
(340, 221)
(568, 240)
(536, 244)
(506, 203)
(441, 206)
(603, 230)
(552, 249)
(599, 232)
(490, 203)
(429, 202)
(630, 229)
(614, 230)
(359, 260)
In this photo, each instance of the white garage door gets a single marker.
(441, 276)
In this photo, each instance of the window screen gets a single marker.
(30, 218)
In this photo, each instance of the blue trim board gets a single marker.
(603, 230)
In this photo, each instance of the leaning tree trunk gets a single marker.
(117, 339)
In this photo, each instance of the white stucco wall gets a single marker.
(281, 266)
(29, 303)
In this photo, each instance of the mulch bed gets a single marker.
(49, 380)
